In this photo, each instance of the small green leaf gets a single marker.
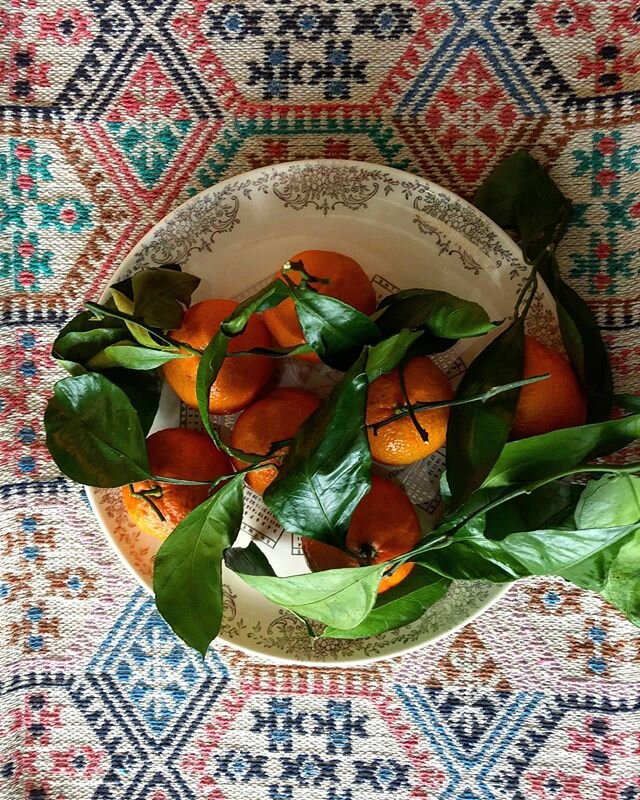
(341, 598)
(160, 296)
(327, 470)
(611, 500)
(94, 434)
(441, 314)
(541, 456)
(477, 433)
(399, 606)
(187, 571)
(269, 297)
(336, 331)
(132, 356)
(249, 560)
(387, 354)
(84, 336)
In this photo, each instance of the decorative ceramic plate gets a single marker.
(405, 231)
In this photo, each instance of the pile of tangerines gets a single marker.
(385, 524)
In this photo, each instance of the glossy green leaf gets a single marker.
(611, 500)
(84, 336)
(341, 598)
(94, 434)
(187, 571)
(269, 297)
(141, 332)
(399, 606)
(161, 295)
(132, 356)
(387, 354)
(520, 194)
(441, 314)
(336, 331)
(477, 433)
(583, 342)
(249, 560)
(528, 460)
(326, 471)
(143, 391)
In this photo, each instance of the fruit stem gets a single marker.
(146, 495)
(410, 408)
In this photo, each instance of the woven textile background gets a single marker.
(115, 112)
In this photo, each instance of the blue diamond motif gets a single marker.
(152, 678)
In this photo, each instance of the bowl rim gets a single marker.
(505, 240)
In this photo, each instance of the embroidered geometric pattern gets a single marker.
(112, 114)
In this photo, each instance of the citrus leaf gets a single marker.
(341, 598)
(477, 433)
(187, 570)
(440, 313)
(583, 342)
(143, 391)
(398, 606)
(544, 455)
(326, 471)
(131, 356)
(161, 295)
(249, 560)
(387, 354)
(336, 331)
(94, 434)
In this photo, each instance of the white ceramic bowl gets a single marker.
(405, 231)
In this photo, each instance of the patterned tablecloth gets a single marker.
(115, 112)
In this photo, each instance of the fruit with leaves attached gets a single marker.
(383, 526)
(157, 507)
(241, 379)
(273, 418)
(347, 282)
(557, 402)
(399, 442)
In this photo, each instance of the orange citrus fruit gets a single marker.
(383, 526)
(348, 282)
(557, 402)
(174, 453)
(270, 419)
(399, 442)
(240, 379)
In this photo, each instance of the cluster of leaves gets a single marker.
(511, 508)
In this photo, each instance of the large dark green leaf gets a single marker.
(439, 313)
(519, 194)
(583, 342)
(187, 571)
(552, 505)
(336, 331)
(628, 402)
(477, 433)
(541, 456)
(399, 606)
(143, 391)
(327, 470)
(84, 336)
(341, 598)
(160, 296)
(94, 434)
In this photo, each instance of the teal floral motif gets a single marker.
(606, 163)
(625, 213)
(605, 263)
(11, 215)
(150, 146)
(27, 263)
(66, 214)
(23, 168)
